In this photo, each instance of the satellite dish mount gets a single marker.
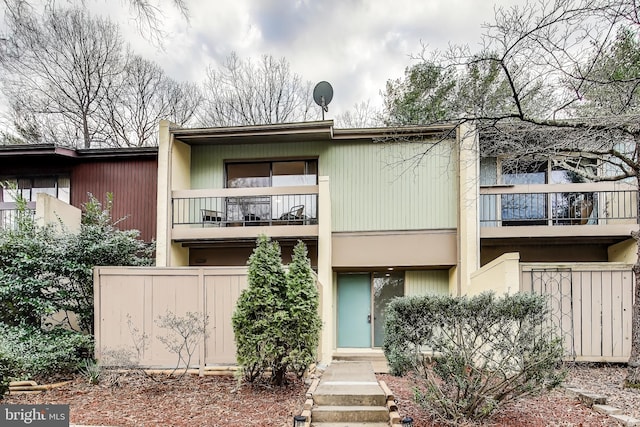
(322, 95)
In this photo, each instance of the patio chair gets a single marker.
(210, 216)
(295, 215)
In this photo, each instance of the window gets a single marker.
(272, 174)
(524, 209)
(533, 208)
(30, 187)
(290, 208)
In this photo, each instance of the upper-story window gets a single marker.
(532, 208)
(29, 187)
(272, 174)
(543, 172)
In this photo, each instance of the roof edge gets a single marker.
(254, 130)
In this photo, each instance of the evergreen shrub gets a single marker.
(469, 355)
(276, 321)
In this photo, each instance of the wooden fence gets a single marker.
(591, 304)
(129, 301)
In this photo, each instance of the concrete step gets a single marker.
(349, 371)
(376, 358)
(336, 393)
(350, 414)
(371, 424)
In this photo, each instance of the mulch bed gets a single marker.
(191, 401)
(556, 408)
(220, 401)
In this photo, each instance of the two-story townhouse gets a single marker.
(384, 212)
(381, 210)
(69, 175)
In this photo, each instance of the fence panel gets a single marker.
(590, 305)
(129, 301)
(222, 292)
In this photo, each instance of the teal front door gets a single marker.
(354, 310)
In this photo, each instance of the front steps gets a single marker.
(375, 356)
(349, 395)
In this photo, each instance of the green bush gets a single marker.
(471, 355)
(7, 370)
(276, 321)
(43, 271)
(28, 257)
(303, 327)
(32, 353)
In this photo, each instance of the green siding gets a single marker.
(374, 186)
(426, 282)
(207, 161)
(380, 187)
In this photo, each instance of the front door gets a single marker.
(362, 300)
(354, 310)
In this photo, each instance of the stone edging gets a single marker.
(392, 406)
(31, 387)
(598, 403)
(308, 403)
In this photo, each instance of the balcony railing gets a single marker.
(567, 205)
(9, 218)
(233, 207)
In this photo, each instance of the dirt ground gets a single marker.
(220, 401)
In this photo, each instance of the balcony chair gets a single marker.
(295, 215)
(210, 216)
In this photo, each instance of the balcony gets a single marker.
(10, 215)
(245, 213)
(550, 210)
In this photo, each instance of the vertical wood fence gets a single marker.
(128, 302)
(591, 305)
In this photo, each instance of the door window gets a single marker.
(362, 301)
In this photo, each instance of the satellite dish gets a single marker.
(322, 95)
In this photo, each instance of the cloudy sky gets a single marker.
(356, 45)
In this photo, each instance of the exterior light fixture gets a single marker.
(299, 420)
(407, 421)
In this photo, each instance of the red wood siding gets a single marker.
(133, 184)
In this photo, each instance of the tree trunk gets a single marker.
(633, 374)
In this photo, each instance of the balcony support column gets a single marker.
(325, 272)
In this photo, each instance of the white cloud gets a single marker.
(356, 45)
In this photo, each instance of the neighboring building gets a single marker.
(548, 214)
(130, 174)
(550, 231)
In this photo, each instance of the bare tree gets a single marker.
(147, 14)
(243, 92)
(59, 69)
(363, 115)
(566, 79)
(143, 97)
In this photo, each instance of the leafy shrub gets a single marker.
(276, 322)
(28, 256)
(7, 370)
(34, 353)
(91, 371)
(99, 242)
(470, 355)
(43, 271)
